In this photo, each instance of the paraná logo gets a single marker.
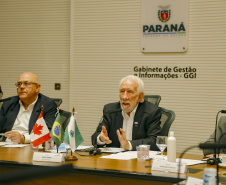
(164, 14)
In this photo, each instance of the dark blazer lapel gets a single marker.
(11, 116)
(119, 120)
(117, 124)
(137, 120)
(118, 116)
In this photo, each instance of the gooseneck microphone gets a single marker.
(223, 111)
(96, 150)
(216, 150)
(216, 146)
(211, 146)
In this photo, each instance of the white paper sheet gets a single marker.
(111, 150)
(14, 145)
(11, 145)
(194, 181)
(83, 147)
(2, 143)
(127, 155)
(190, 162)
(152, 154)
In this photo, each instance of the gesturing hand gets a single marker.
(104, 136)
(122, 139)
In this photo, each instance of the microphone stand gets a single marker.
(180, 158)
(216, 159)
(216, 147)
(95, 151)
(216, 151)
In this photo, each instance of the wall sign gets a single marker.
(164, 25)
(167, 72)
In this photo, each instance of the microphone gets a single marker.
(96, 150)
(6, 99)
(212, 160)
(215, 146)
(211, 145)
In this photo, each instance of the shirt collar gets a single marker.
(30, 106)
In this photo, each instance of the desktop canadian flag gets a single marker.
(40, 132)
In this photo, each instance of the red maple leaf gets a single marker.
(37, 129)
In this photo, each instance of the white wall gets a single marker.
(35, 36)
(105, 44)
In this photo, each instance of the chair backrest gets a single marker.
(155, 99)
(1, 94)
(58, 101)
(65, 118)
(167, 119)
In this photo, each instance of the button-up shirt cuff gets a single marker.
(130, 146)
(99, 142)
(27, 138)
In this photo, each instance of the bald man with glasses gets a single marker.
(19, 115)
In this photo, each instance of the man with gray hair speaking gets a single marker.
(130, 122)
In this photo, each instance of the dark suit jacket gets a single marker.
(146, 124)
(10, 109)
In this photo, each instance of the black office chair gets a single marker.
(1, 94)
(167, 119)
(58, 101)
(155, 99)
(65, 118)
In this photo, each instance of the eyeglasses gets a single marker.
(25, 84)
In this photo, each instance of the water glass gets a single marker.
(143, 152)
(161, 142)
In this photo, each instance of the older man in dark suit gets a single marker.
(132, 121)
(19, 115)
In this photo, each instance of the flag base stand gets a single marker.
(71, 158)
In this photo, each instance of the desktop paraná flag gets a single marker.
(57, 133)
(40, 132)
(73, 135)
